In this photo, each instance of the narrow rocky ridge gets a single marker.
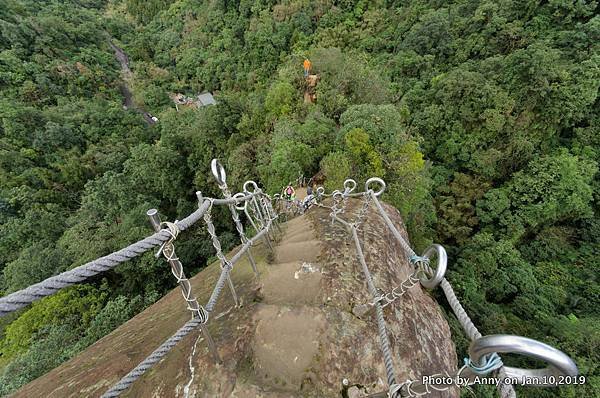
(295, 335)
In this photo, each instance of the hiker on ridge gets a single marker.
(307, 65)
(289, 193)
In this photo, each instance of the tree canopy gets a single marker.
(482, 116)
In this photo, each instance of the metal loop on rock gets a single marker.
(242, 206)
(320, 191)
(251, 183)
(559, 364)
(349, 186)
(440, 270)
(218, 171)
(378, 181)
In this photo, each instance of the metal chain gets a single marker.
(337, 206)
(506, 391)
(165, 239)
(363, 211)
(240, 228)
(398, 291)
(254, 212)
(226, 265)
(383, 336)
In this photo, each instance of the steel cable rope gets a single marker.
(227, 266)
(339, 198)
(152, 359)
(52, 285)
(506, 391)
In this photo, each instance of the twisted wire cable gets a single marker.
(383, 337)
(225, 264)
(345, 200)
(160, 352)
(52, 285)
(261, 213)
(362, 213)
(506, 391)
(168, 251)
(234, 214)
(212, 301)
(273, 216)
(210, 227)
(238, 225)
(254, 214)
(152, 359)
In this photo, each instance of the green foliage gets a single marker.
(44, 354)
(288, 159)
(357, 142)
(144, 10)
(64, 333)
(455, 204)
(384, 123)
(280, 99)
(481, 116)
(76, 302)
(346, 79)
(336, 167)
(551, 189)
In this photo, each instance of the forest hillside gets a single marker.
(482, 116)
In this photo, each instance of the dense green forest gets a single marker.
(482, 116)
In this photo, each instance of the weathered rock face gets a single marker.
(295, 336)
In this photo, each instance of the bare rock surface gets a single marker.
(294, 336)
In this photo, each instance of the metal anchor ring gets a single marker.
(251, 183)
(240, 207)
(559, 364)
(440, 270)
(218, 171)
(378, 181)
(349, 186)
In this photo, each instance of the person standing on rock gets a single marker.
(310, 198)
(307, 65)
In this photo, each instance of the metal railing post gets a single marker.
(219, 174)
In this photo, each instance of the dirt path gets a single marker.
(127, 96)
(300, 193)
